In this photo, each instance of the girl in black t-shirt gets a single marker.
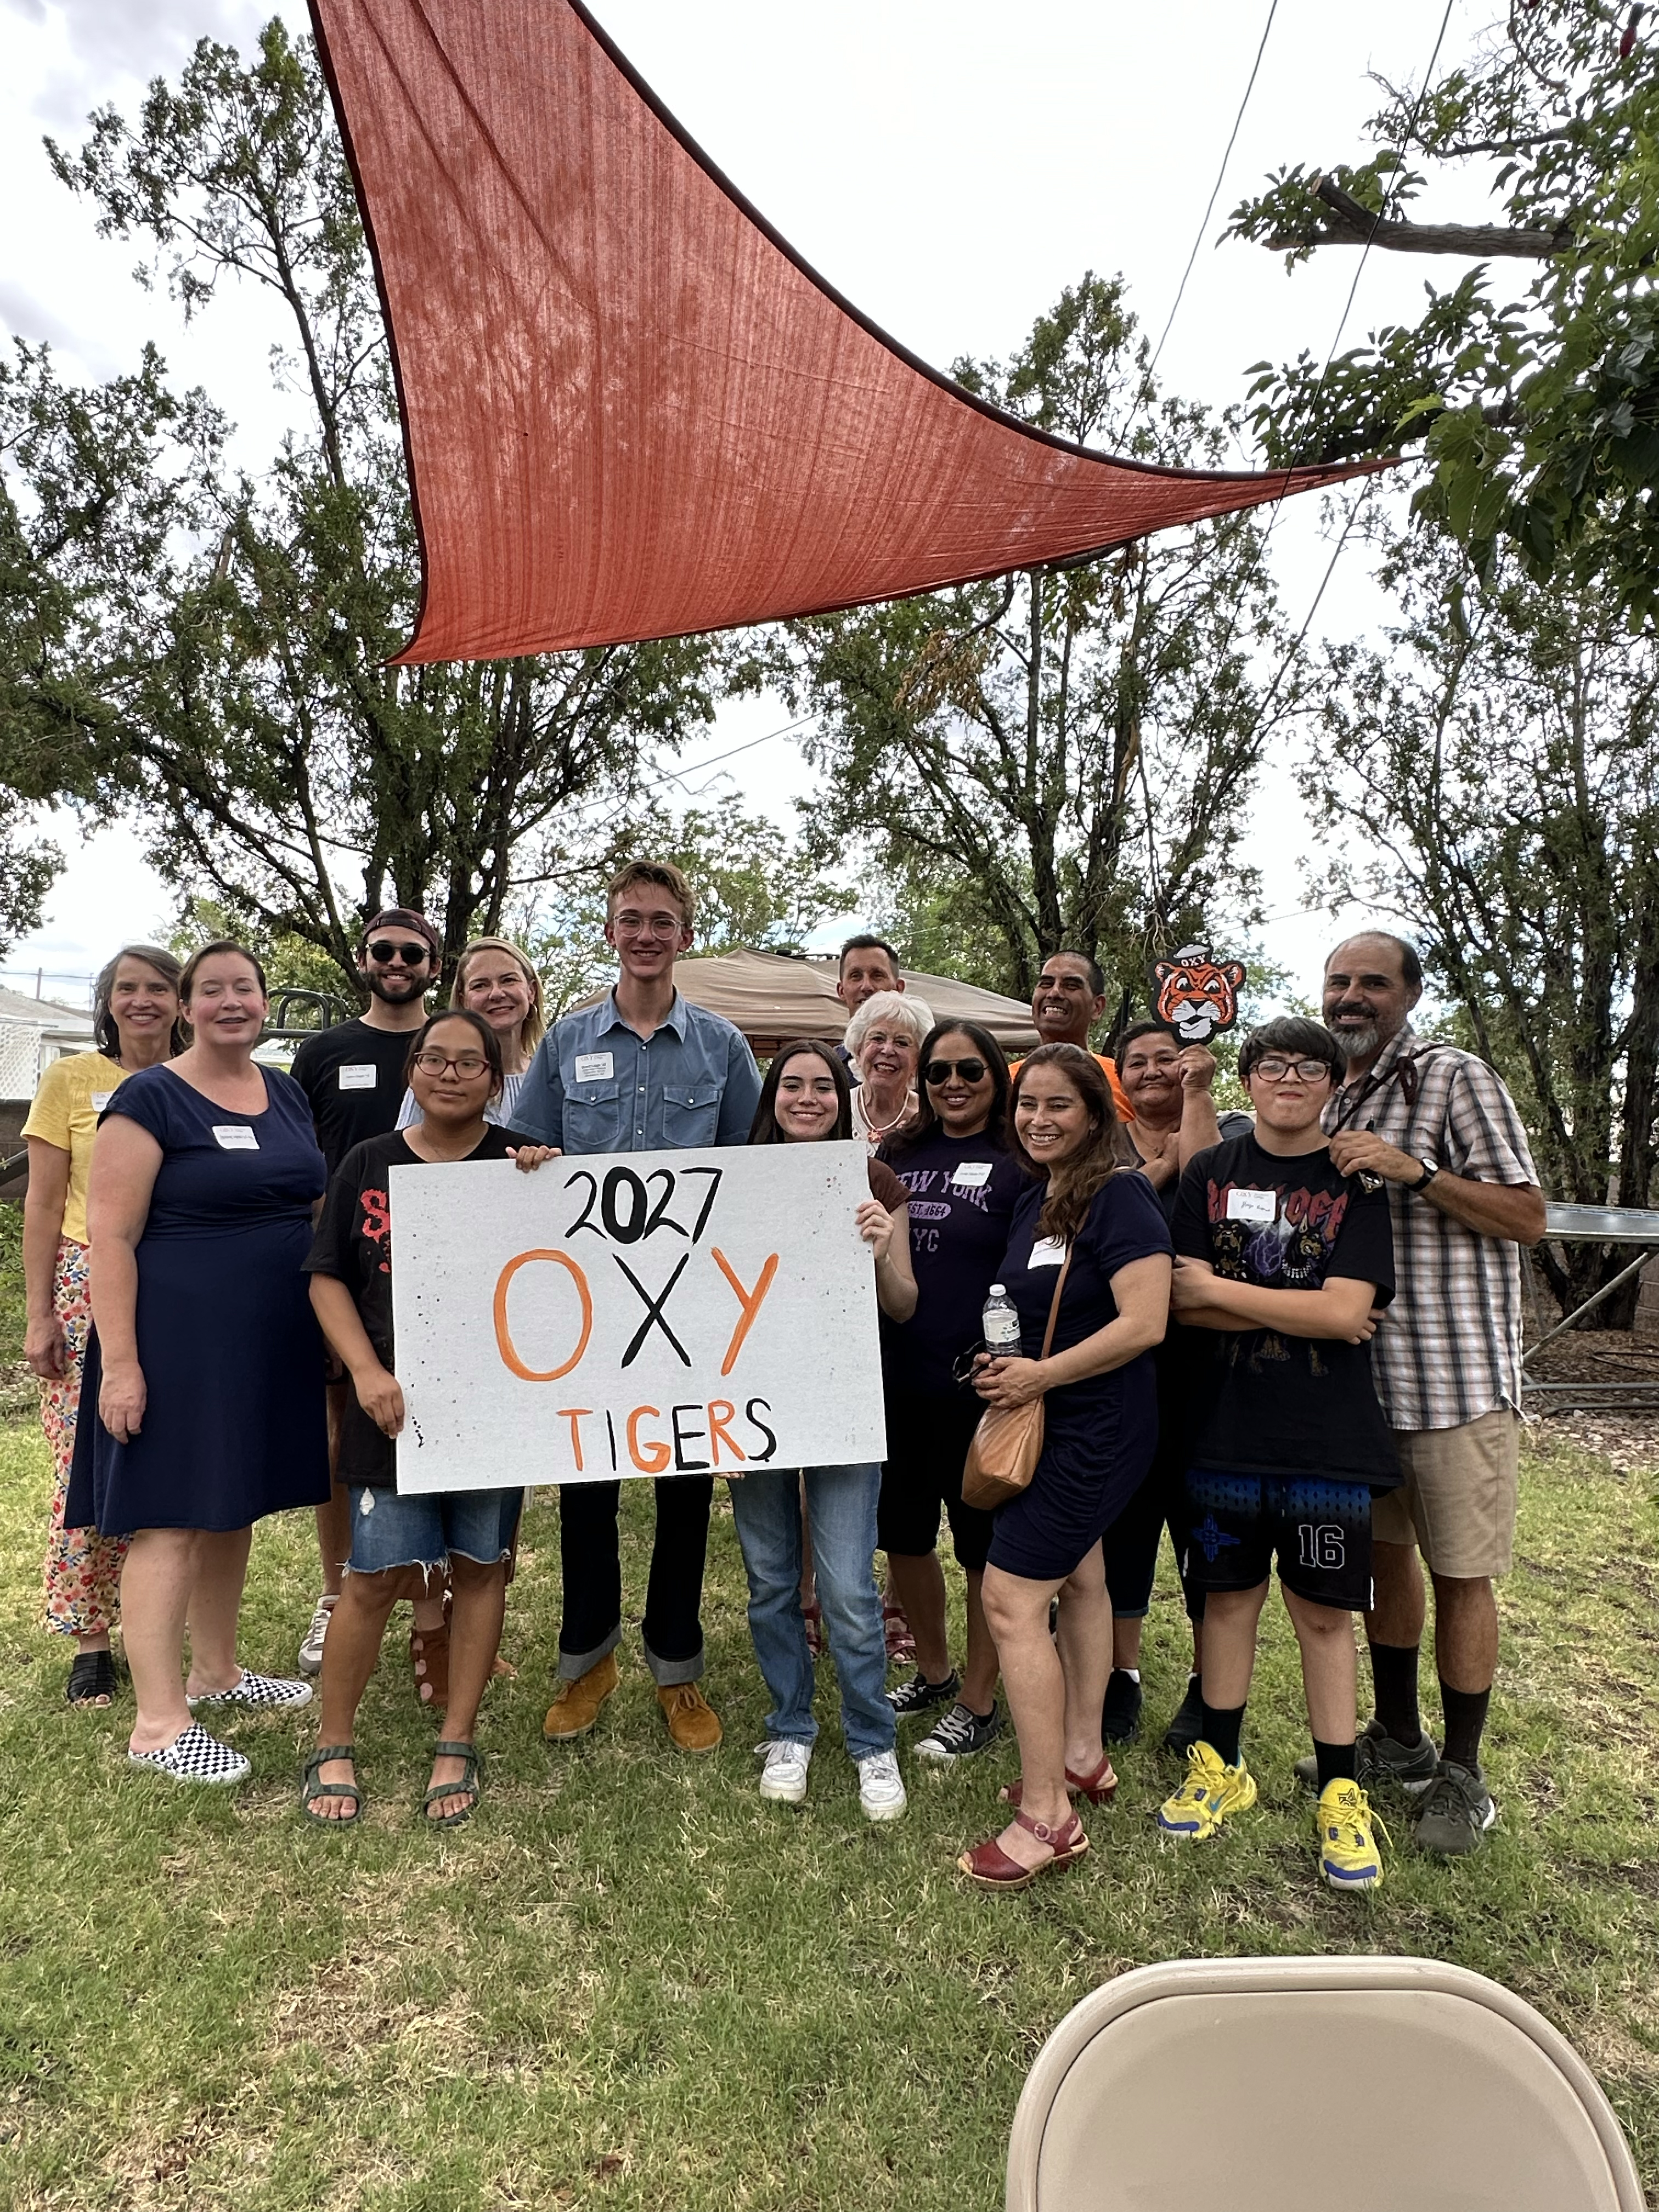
(806, 1100)
(399, 1544)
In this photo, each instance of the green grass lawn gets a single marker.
(628, 1984)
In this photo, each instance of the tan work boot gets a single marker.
(693, 1723)
(576, 1708)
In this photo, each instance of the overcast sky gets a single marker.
(949, 167)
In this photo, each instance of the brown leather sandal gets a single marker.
(429, 1659)
(1099, 1788)
(990, 1866)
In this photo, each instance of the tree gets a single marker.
(1536, 402)
(1060, 758)
(1501, 761)
(237, 657)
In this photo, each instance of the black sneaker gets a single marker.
(918, 1695)
(1380, 1760)
(1187, 1725)
(1457, 1810)
(960, 1734)
(1119, 1717)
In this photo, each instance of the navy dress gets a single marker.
(234, 1426)
(1098, 1435)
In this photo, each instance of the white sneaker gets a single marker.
(881, 1793)
(311, 1650)
(783, 1778)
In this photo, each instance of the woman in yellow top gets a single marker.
(135, 1024)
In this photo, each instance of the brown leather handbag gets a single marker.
(1008, 1442)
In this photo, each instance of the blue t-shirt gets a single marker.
(962, 1192)
(1107, 1420)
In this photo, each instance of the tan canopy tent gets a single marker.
(772, 999)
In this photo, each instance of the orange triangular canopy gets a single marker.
(630, 410)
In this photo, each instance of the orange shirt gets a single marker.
(1125, 1112)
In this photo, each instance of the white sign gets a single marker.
(641, 1312)
(358, 1075)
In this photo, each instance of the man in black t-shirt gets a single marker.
(353, 1076)
(1284, 1259)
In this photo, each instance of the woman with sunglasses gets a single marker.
(963, 1181)
(806, 1099)
(401, 1545)
(495, 978)
(1095, 1230)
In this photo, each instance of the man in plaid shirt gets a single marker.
(1438, 1128)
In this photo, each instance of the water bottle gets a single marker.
(1000, 1323)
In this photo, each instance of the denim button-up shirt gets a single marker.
(595, 1085)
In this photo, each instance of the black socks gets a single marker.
(1466, 1717)
(1336, 1762)
(1221, 1731)
(1393, 1674)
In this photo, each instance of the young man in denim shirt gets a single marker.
(644, 1070)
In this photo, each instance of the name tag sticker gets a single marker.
(1257, 1206)
(1047, 1252)
(100, 1099)
(359, 1075)
(235, 1137)
(594, 1067)
(971, 1175)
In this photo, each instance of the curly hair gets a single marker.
(1073, 1187)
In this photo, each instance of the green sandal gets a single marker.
(315, 1787)
(467, 1785)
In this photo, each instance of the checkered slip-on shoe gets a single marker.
(194, 1756)
(264, 1692)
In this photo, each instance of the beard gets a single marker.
(1360, 1044)
(395, 986)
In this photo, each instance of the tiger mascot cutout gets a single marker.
(1196, 993)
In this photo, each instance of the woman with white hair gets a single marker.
(884, 1040)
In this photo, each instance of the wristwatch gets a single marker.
(1431, 1170)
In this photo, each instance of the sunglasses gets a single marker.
(467, 1065)
(385, 954)
(1276, 1069)
(941, 1070)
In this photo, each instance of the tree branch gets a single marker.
(1349, 223)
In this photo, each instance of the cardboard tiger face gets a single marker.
(1196, 994)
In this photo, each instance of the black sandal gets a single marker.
(315, 1787)
(91, 1680)
(468, 1786)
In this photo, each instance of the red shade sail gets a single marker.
(630, 411)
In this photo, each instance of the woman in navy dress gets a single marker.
(1100, 1425)
(205, 1362)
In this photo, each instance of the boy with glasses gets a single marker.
(1285, 1259)
(353, 1077)
(643, 1071)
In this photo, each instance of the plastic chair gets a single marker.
(1287, 2085)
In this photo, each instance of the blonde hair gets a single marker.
(533, 1027)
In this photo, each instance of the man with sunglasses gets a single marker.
(643, 1071)
(353, 1076)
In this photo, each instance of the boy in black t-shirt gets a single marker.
(1285, 1260)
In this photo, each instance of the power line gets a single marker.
(1215, 189)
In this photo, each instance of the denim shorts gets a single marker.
(389, 1531)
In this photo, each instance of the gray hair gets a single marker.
(106, 1037)
(898, 1010)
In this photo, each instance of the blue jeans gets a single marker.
(841, 1502)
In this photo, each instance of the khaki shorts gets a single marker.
(1457, 1501)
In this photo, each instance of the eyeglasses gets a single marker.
(467, 1065)
(941, 1070)
(385, 954)
(648, 925)
(1276, 1069)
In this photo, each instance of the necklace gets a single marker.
(881, 1128)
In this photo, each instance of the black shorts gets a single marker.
(927, 1441)
(1321, 1530)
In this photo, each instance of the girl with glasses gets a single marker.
(404, 1547)
(954, 1160)
(806, 1100)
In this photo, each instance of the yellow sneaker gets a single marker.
(1209, 1794)
(1348, 1857)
